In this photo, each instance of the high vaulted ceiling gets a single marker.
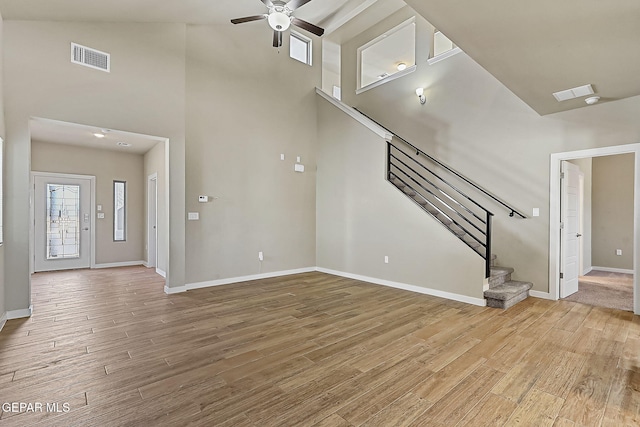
(539, 47)
(183, 11)
(534, 48)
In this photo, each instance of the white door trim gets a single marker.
(554, 213)
(150, 231)
(92, 248)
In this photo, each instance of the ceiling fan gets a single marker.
(280, 18)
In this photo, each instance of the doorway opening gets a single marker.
(603, 227)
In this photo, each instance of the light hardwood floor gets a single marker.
(311, 350)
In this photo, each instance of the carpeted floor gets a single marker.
(604, 289)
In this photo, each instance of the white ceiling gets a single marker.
(57, 132)
(183, 11)
(539, 47)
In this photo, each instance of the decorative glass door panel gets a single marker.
(63, 221)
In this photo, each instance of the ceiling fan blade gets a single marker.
(307, 26)
(277, 38)
(294, 4)
(248, 19)
(267, 3)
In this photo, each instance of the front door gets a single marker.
(62, 216)
(570, 229)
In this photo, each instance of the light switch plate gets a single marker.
(298, 167)
(536, 211)
(100, 215)
(193, 216)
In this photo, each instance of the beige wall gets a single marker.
(4, 176)
(106, 166)
(243, 111)
(476, 125)
(154, 162)
(361, 218)
(613, 211)
(144, 93)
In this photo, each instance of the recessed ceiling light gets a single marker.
(402, 66)
(124, 144)
(99, 135)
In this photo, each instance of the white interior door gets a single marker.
(570, 244)
(152, 245)
(62, 223)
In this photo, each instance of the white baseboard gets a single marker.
(118, 264)
(587, 271)
(3, 321)
(540, 294)
(612, 270)
(161, 272)
(418, 289)
(174, 290)
(19, 314)
(239, 279)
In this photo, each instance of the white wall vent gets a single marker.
(90, 57)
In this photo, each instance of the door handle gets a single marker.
(86, 229)
(578, 235)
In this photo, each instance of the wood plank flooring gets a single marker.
(310, 350)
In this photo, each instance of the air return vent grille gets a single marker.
(90, 57)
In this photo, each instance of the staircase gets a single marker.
(504, 292)
(443, 193)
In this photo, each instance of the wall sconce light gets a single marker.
(421, 97)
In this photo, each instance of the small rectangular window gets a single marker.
(441, 48)
(300, 48)
(119, 211)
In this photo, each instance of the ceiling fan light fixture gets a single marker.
(279, 21)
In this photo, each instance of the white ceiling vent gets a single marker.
(90, 57)
(575, 92)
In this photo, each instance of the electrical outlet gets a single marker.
(618, 252)
(260, 256)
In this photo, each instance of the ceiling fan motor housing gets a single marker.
(279, 16)
(279, 21)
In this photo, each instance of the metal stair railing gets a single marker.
(466, 218)
(472, 219)
(512, 211)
